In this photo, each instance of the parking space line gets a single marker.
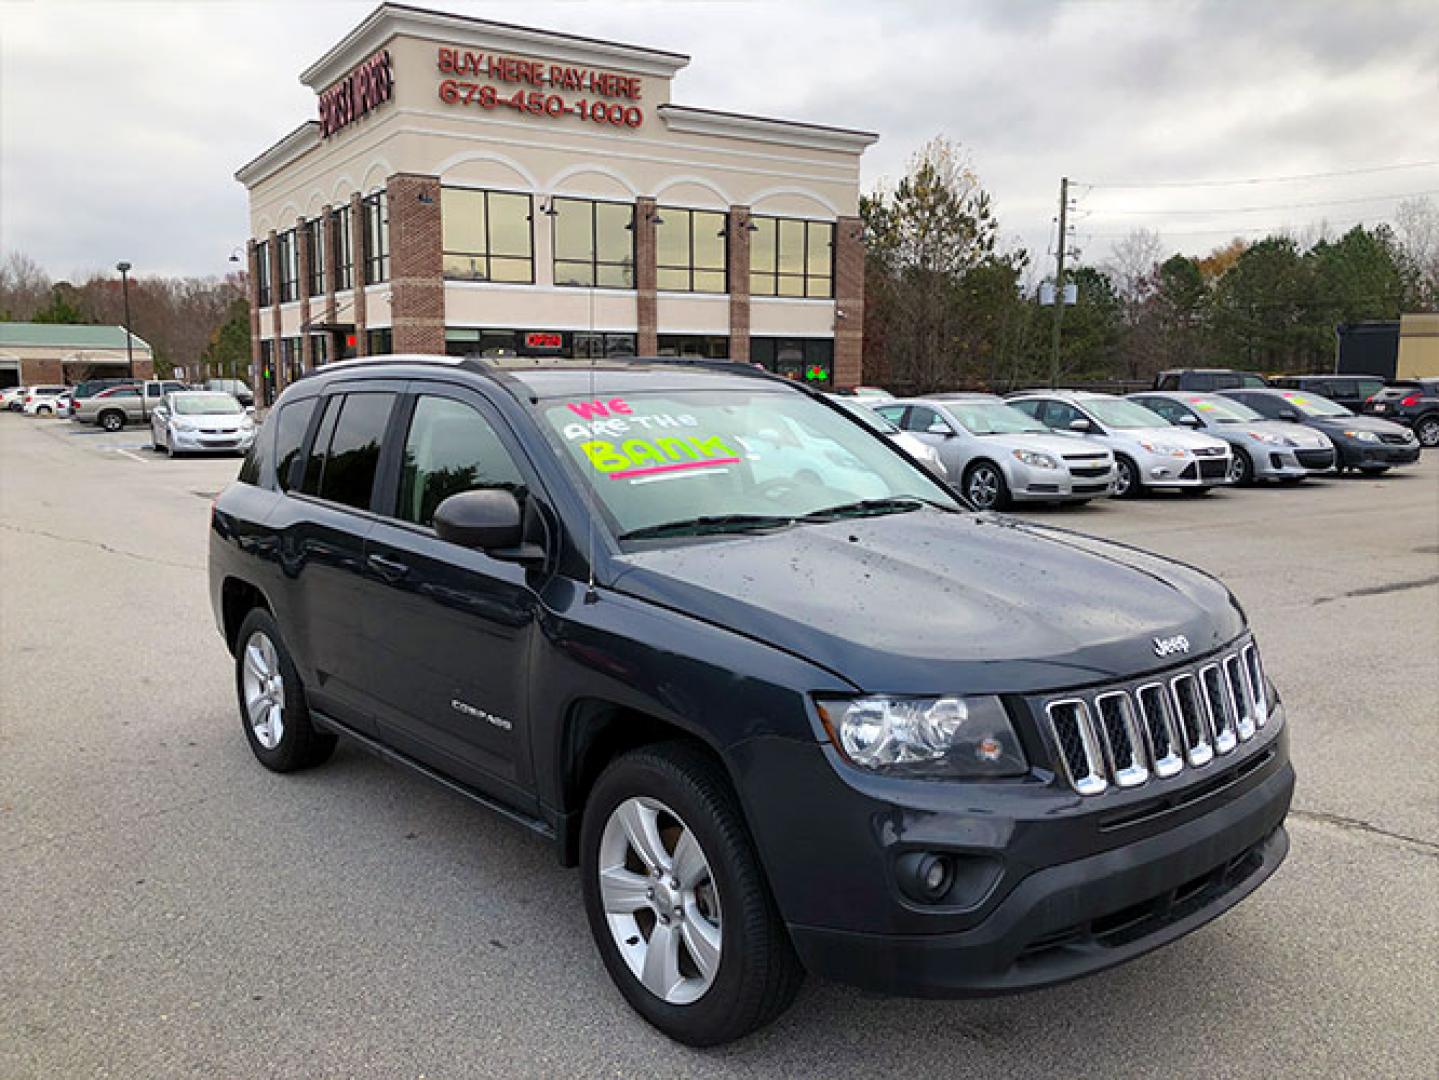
(131, 456)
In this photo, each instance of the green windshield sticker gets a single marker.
(662, 454)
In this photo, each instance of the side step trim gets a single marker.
(535, 825)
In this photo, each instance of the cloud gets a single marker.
(121, 124)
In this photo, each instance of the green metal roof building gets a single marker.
(38, 354)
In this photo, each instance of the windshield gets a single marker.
(1118, 413)
(205, 404)
(731, 460)
(1221, 410)
(1313, 404)
(864, 414)
(993, 418)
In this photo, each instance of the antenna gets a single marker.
(591, 596)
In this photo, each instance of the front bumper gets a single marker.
(1163, 471)
(1289, 462)
(202, 441)
(1030, 484)
(1358, 455)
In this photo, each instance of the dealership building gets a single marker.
(62, 354)
(477, 188)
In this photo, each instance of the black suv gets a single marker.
(1413, 403)
(1351, 391)
(1206, 379)
(784, 700)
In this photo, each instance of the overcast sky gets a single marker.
(121, 124)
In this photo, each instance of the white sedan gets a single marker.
(201, 421)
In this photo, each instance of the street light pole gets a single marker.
(124, 269)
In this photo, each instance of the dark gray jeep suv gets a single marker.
(786, 702)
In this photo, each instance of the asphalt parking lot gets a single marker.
(171, 909)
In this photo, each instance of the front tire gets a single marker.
(1241, 469)
(677, 901)
(984, 486)
(112, 421)
(272, 700)
(1426, 430)
(1126, 479)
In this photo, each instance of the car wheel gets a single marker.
(1427, 431)
(1126, 478)
(170, 450)
(1241, 469)
(272, 700)
(984, 486)
(677, 902)
(112, 421)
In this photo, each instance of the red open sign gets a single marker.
(544, 341)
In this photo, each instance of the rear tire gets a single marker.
(272, 700)
(676, 799)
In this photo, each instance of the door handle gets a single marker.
(389, 569)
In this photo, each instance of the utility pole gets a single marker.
(1059, 281)
(124, 269)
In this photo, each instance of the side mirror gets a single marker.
(487, 520)
(1080, 424)
(1189, 420)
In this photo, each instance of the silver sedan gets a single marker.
(1262, 449)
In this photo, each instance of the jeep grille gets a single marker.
(1126, 735)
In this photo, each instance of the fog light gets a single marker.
(925, 876)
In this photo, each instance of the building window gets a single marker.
(291, 358)
(487, 235)
(320, 348)
(594, 243)
(289, 267)
(695, 346)
(262, 274)
(808, 360)
(598, 346)
(379, 342)
(789, 257)
(315, 237)
(691, 250)
(376, 211)
(344, 250)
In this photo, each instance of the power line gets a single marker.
(1265, 179)
(1269, 207)
(1286, 226)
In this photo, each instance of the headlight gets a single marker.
(1268, 439)
(928, 737)
(1363, 436)
(184, 425)
(1039, 461)
(1164, 449)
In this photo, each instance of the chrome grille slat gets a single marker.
(1126, 736)
(1221, 712)
(1079, 748)
(1193, 719)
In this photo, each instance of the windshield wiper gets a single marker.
(709, 525)
(902, 504)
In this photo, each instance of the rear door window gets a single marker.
(923, 419)
(342, 462)
(291, 423)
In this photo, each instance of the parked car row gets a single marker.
(1072, 446)
(181, 419)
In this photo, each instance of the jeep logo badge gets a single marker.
(1168, 646)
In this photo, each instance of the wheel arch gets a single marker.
(595, 732)
(237, 599)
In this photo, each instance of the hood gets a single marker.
(1357, 423)
(931, 602)
(1174, 435)
(1304, 438)
(1056, 444)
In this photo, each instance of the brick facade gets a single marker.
(307, 342)
(646, 278)
(738, 228)
(848, 302)
(252, 263)
(329, 237)
(357, 273)
(277, 360)
(417, 284)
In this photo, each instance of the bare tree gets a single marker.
(24, 286)
(1417, 223)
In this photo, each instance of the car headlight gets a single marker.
(1164, 449)
(947, 736)
(1363, 436)
(1269, 439)
(1038, 461)
(184, 425)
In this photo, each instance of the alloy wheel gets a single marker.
(1428, 431)
(264, 691)
(660, 900)
(1123, 478)
(1238, 468)
(983, 487)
